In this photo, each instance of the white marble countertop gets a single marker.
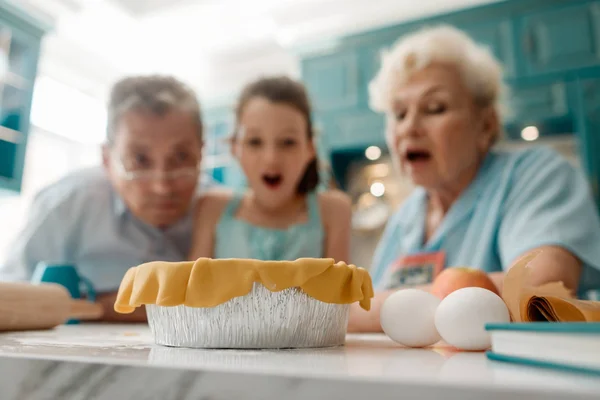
(368, 365)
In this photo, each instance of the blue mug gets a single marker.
(67, 276)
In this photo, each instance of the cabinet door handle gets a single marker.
(528, 42)
(10, 135)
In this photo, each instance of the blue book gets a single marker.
(568, 346)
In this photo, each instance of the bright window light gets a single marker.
(67, 112)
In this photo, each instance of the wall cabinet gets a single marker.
(537, 102)
(560, 38)
(533, 39)
(19, 51)
(217, 158)
(588, 130)
(359, 129)
(498, 36)
(333, 81)
(550, 51)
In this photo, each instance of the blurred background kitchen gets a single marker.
(58, 59)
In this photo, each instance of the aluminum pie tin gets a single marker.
(259, 320)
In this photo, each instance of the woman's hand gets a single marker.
(107, 300)
(336, 211)
(554, 264)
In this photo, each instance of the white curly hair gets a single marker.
(481, 71)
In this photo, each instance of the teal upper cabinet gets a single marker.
(588, 93)
(538, 101)
(370, 57)
(498, 36)
(217, 158)
(540, 43)
(560, 38)
(353, 129)
(333, 80)
(362, 129)
(19, 50)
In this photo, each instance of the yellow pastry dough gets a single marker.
(208, 282)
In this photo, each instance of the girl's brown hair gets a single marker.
(281, 89)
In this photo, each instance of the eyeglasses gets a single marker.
(185, 173)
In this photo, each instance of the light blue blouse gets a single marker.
(236, 238)
(518, 201)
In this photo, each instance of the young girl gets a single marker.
(281, 216)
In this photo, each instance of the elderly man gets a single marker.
(137, 208)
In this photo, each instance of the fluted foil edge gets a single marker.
(259, 320)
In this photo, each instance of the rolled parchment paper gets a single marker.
(549, 302)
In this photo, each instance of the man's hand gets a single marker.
(107, 300)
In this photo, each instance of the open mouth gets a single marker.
(165, 206)
(417, 155)
(272, 180)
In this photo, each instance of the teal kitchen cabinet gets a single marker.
(338, 81)
(351, 129)
(538, 101)
(19, 50)
(338, 87)
(217, 159)
(370, 58)
(540, 44)
(215, 149)
(323, 128)
(588, 130)
(547, 104)
(559, 38)
(361, 129)
(498, 36)
(218, 130)
(333, 81)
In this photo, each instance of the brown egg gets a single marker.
(454, 278)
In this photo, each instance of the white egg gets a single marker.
(407, 317)
(461, 317)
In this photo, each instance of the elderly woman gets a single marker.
(473, 205)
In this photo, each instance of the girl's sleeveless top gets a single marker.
(236, 238)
